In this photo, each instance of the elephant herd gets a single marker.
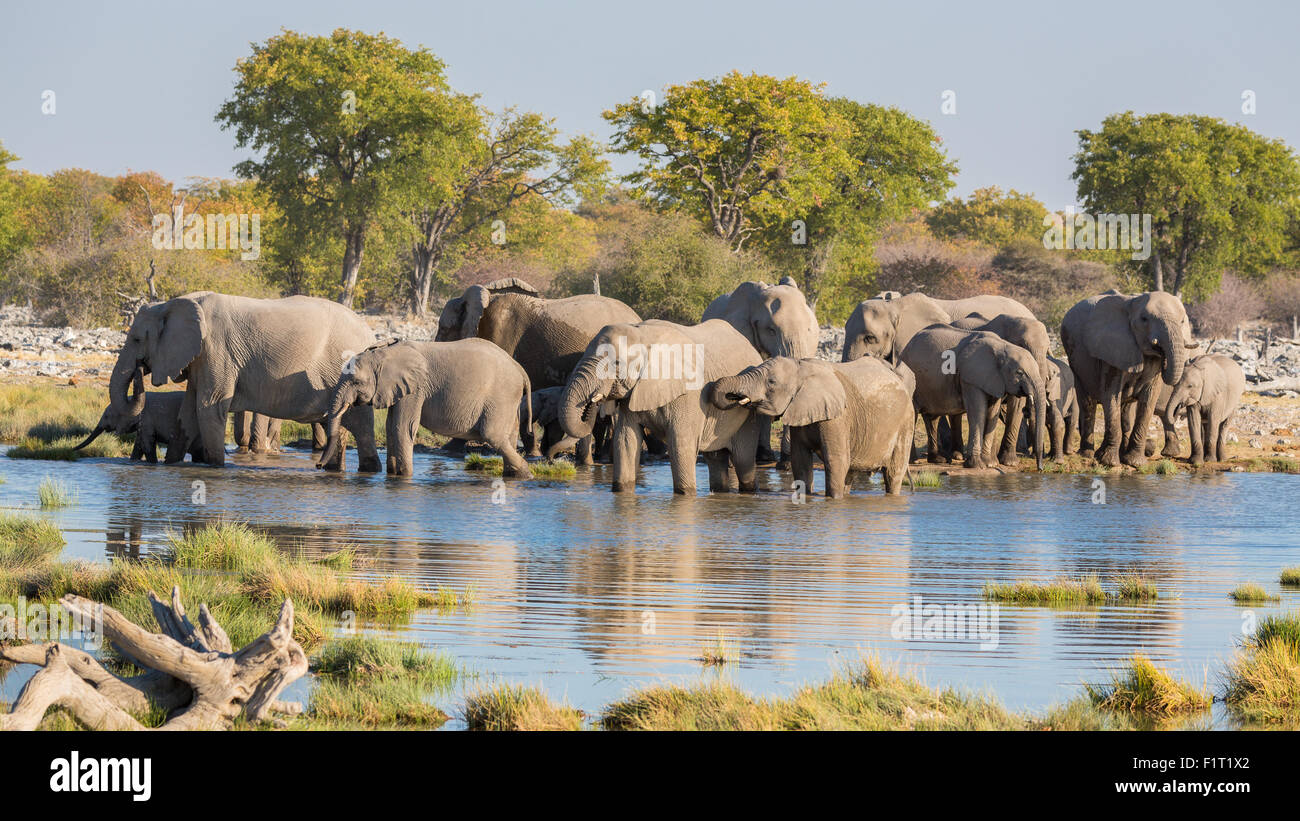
(592, 374)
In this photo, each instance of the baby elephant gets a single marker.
(468, 389)
(1210, 390)
(856, 415)
(153, 417)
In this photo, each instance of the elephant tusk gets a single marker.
(744, 400)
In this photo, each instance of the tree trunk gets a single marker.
(195, 675)
(354, 243)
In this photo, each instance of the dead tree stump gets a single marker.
(193, 673)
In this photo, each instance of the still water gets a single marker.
(591, 593)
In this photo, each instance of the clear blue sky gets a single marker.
(137, 84)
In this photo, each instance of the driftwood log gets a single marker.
(193, 674)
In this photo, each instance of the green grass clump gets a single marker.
(1251, 593)
(516, 708)
(1273, 464)
(491, 465)
(27, 542)
(1263, 681)
(223, 546)
(1145, 688)
(54, 494)
(868, 696)
(1290, 576)
(1083, 590)
(553, 469)
(1135, 587)
(926, 478)
(363, 681)
(717, 653)
(1162, 467)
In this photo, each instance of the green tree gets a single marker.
(989, 217)
(487, 167)
(336, 120)
(896, 164)
(742, 151)
(1219, 194)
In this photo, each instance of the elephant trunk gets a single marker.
(127, 372)
(344, 395)
(94, 434)
(1175, 353)
(582, 397)
(730, 391)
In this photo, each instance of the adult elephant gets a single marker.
(546, 336)
(1029, 334)
(959, 371)
(777, 321)
(277, 357)
(882, 326)
(656, 374)
(1120, 347)
(855, 415)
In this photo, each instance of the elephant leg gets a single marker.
(746, 467)
(137, 449)
(1057, 424)
(212, 430)
(956, 444)
(175, 449)
(1196, 433)
(150, 446)
(455, 446)
(625, 452)
(1135, 455)
(242, 424)
(683, 451)
(584, 450)
(1112, 418)
(1087, 422)
(933, 455)
(362, 428)
(1071, 426)
(516, 466)
(977, 411)
(719, 465)
(897, 468)
(400, 429)
(835, 457)
(1171, 448)
(991, 418)
(764, 453)
(1015, 406)
(273, 435)
(1221, 441)
(801, 466)
(257, 438)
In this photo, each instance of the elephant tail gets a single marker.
(528, 401)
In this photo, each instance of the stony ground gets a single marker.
(1268, 422)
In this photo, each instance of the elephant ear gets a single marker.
(820, 395)
(511, 285)
(1108, 336)
(649, 393)
(399, 371)
(181, 328)
(476, 302)
(977, 363)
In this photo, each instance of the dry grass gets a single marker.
(1251, 593)
(1263, 681)
(517, 708)
(1145, 688)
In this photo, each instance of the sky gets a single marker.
(136, 85)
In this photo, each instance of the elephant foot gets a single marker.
(622, 487)
(936, 459)
(1058, 459)
(1197, 460)
(241, 449)
(1008, 459)
(1108, 456)
(1170, 452)
(1134, 457)
(749, 487)
(369, 465)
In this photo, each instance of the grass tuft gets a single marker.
(491, 465)
(1143, 687)
(926, 479)
(27, 542)
(718, 653)
(1263, 681)
(1290, 576)
(515, 708)
(1083, 590)
(554, 469)
(1251, 593)
(54, 494)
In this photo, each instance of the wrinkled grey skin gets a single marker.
(882, 327)
(157, 420)
(1062, 408)
(278, 357)
(1029, 334)
(777, 321)
(546, 336)
(671, 408)
(1171, 447)
(855, 415)
(470, 389)
(545, 404)
(1210, 391)
(1120, 347)
(984, 369)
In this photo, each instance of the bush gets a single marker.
(1281, 291)
(943, 270)
(1223, 312)
(1049, 282)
